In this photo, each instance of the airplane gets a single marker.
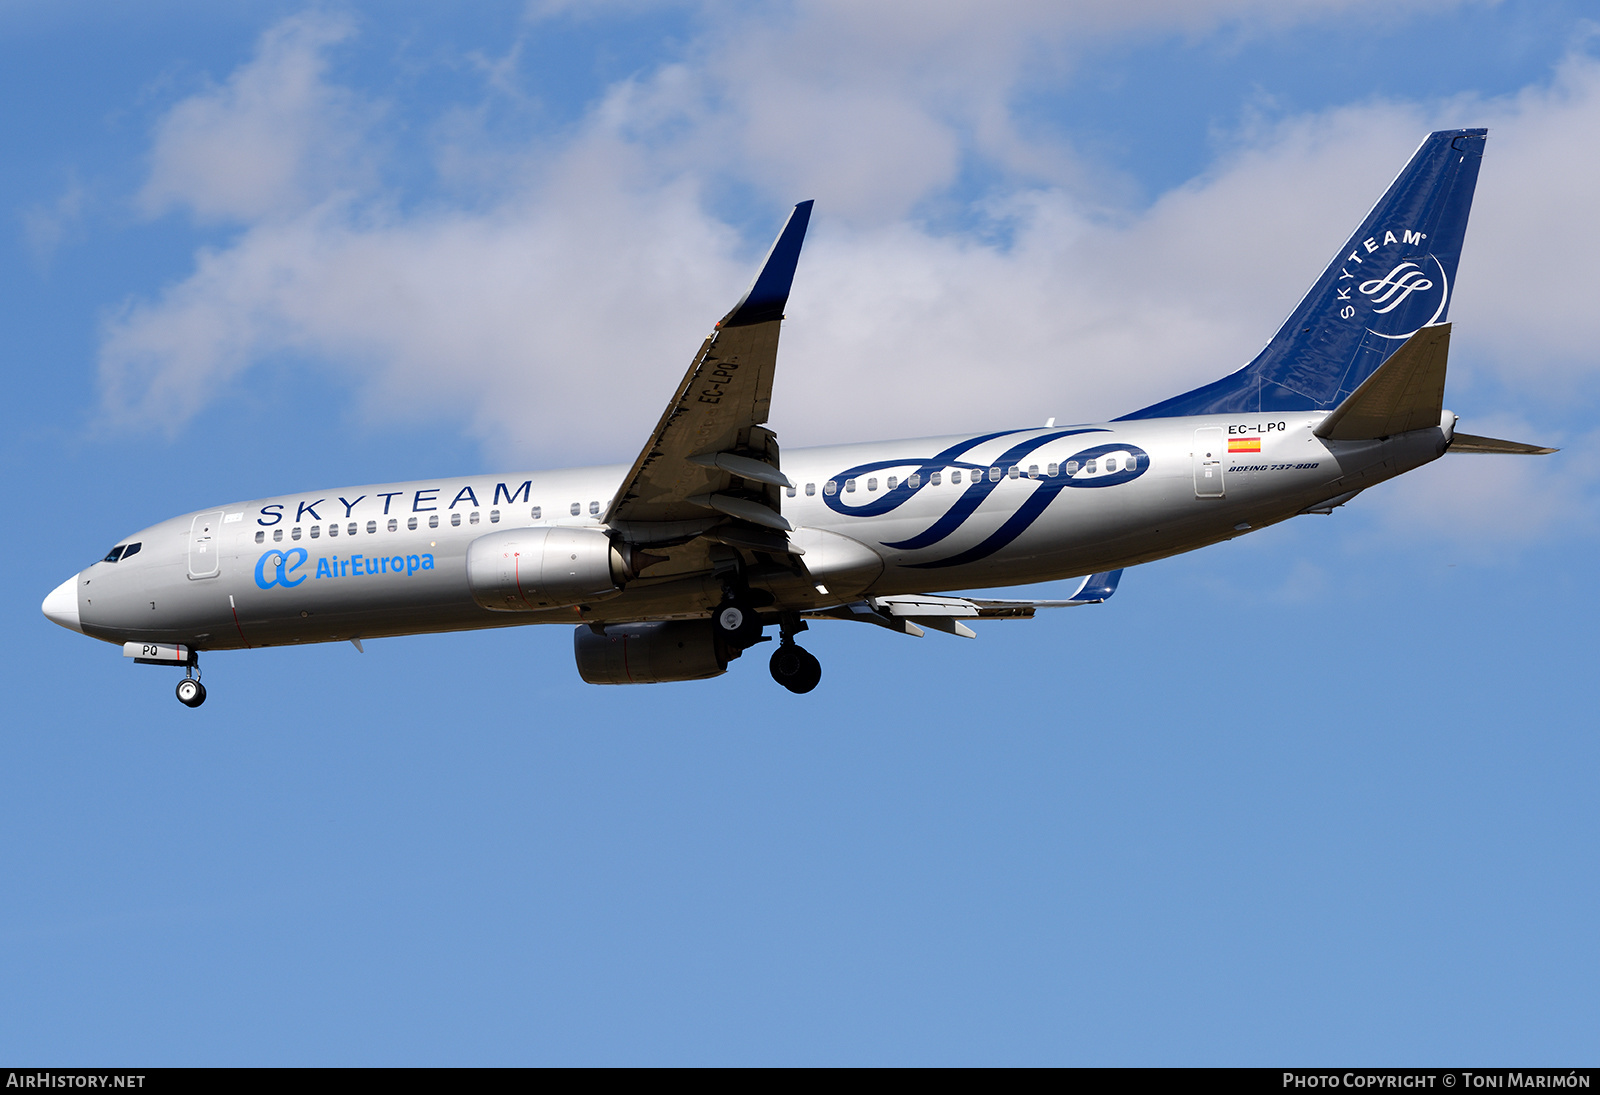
(673, 566)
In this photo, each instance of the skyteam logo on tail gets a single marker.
(1393, 288)
(1106, 465)
(1407, 288)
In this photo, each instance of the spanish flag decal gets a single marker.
(1244, 444)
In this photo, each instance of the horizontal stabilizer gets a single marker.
(1466, 442)
(1405, 393)
(909, 613)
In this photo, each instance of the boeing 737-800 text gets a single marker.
(674, 565)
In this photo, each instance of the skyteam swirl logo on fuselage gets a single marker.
(966, 504)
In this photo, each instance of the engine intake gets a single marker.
(531, 569)
(649, 653)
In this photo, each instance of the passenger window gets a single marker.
(316, 531)
(891, 483)
(811, 488)
(1052, 470)
(1111, 463)
(294, 533)
(872, 483)
(433, 520)
(955, 477)
(849, 486)
(536, 513)
(351, 531)
(472, 518)
(1013, 471)
(830, 487)
(494, 517)
(594, 509)
(1072, 467)
(394, 526)
(577, 508)
(1088, 466)
(790, 491)
(994, 475)
(1033, 471)
(261, 536)
(372, 526)
(277, 536)
(455, 519)
(914, 480)
(411, 523)
(934, 477)
(333, 528)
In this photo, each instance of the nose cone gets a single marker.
(61, 607)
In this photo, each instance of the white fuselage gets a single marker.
(1050, 503)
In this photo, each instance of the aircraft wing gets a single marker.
(710, 459)
(910, 613)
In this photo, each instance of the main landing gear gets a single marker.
(792, 665)
(737, 622)
(739, 626)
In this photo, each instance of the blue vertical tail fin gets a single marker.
(1393, 277)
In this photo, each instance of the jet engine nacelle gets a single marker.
(649, 653)
(531, 569)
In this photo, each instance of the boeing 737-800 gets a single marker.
(672, 566)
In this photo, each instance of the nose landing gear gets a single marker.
(191, 693)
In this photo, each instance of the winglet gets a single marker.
(770, 291)
(1097, 587)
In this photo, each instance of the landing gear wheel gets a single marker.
(191, 693)
(738, 623)
(796, 668)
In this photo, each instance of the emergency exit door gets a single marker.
(1209, 445)
(205, 561)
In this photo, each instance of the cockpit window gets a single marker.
(114, 554)
(132, 550)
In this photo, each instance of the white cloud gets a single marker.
(46, 226)
(275, 134)
(556, 314)
(1527, 282)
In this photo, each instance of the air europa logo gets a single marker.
(276, 567)
(1091, 468)
(1408, 289)
(279, 568)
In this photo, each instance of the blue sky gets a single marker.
(1320, 794)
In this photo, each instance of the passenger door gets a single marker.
(205, 560)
